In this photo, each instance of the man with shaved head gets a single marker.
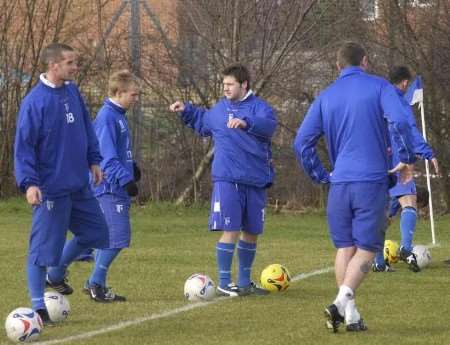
(55, 149)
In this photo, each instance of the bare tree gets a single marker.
(289, 46)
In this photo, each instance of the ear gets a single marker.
(51, 65)
(245, 84)
(404, 85)
(365, 62)
(338, 66)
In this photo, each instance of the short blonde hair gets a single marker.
(121, 81)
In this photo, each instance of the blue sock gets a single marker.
(103, 260)
(379, 259)
(224, 254)
(71, 250)
(408, 227)
(246, 254)
(36, 285)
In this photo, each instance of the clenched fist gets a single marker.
(177, 107)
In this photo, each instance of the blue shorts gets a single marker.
(236, 207)
(79, 212)
(357, 214)
(401, 189)
(116, 210)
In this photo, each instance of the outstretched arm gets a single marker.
(421, 147)
(193, 117)
(399, 126)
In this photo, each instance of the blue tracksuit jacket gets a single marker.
(240, 155)
(55, 143)
(352, 114)
(111, 127)
(421, 147)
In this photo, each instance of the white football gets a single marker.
(199, 287)
(23, 325)
(423, 255)
(58, 306)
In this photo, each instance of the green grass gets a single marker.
(170, 243)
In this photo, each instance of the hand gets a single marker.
(34, 195)
(177, 107)
(435, 165)
(97, 174)
(136, 172)
(132, 188)
(405, 170)
(388, 222)
(236, 123)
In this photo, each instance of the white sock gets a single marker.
(351, 313)
(344, 295)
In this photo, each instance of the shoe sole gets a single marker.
(65, 293)
(98, 300)
(225, 293)
(356, 329)
(221, 294)
(107, 301)
(414, 267)
(254, 293)
(360, 326)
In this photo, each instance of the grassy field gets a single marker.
(171, 243)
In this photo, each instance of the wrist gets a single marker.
(124, 182)
(248, 123)
(28, 186)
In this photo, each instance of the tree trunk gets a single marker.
(202, 167)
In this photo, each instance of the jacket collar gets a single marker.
(399, 92)
(116, 106)
(248, 95)
(46, 82)
(350, 70)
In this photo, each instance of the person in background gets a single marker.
(405, 193)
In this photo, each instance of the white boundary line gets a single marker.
(175, 311)
(164, 314)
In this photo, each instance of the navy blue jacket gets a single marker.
(111, 127)
(240, 155)
(353, 114)
(55, 143)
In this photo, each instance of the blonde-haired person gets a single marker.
(121, 174)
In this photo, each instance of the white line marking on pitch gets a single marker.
(163, 314)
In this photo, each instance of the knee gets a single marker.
(229, 236)
(248, 237)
